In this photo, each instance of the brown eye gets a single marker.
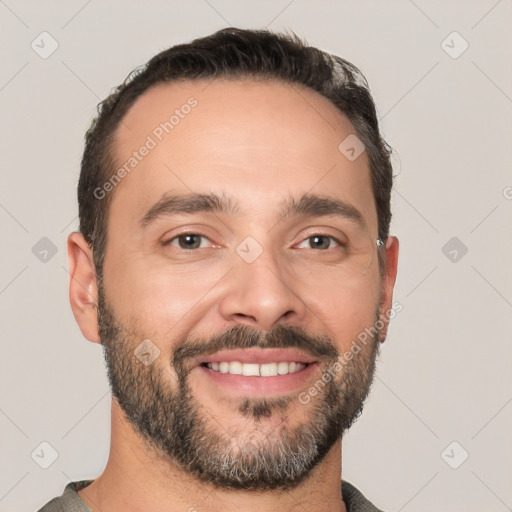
(321, 242)
(187, 241)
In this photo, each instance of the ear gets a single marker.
(388, 284)
(83, 289)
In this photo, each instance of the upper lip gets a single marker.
(256, 355)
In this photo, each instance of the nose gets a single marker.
(261, 294)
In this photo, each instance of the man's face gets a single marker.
(280, 273)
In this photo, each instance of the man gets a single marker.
(234, 260)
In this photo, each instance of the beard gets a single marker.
(174, 424)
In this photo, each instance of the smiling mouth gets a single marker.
(271, 369)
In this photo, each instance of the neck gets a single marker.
(136, 478)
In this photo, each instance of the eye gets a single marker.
(188, 241)
(321, 242)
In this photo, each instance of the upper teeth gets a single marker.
(255, 369)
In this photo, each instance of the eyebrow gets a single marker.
(189, 203)
(308, 205)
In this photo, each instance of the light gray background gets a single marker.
(445, 372)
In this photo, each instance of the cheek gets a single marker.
(159, 297)
(165, 300)
(346, 308)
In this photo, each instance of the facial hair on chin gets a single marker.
(171, 420)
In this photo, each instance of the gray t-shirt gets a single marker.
(70, 501)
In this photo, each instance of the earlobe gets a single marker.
(83, 289)
(388, 283)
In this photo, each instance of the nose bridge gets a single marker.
(260, 291)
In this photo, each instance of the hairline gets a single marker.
(112, 159)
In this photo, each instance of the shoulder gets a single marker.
(355, 500)
(69, 501)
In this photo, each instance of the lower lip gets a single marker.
(279, 384)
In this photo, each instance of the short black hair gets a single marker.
(232, 53)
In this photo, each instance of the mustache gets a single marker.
(240, 337)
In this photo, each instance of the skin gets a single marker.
(258, 143)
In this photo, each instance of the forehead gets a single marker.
(256, 141)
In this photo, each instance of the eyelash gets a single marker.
(323, 235)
